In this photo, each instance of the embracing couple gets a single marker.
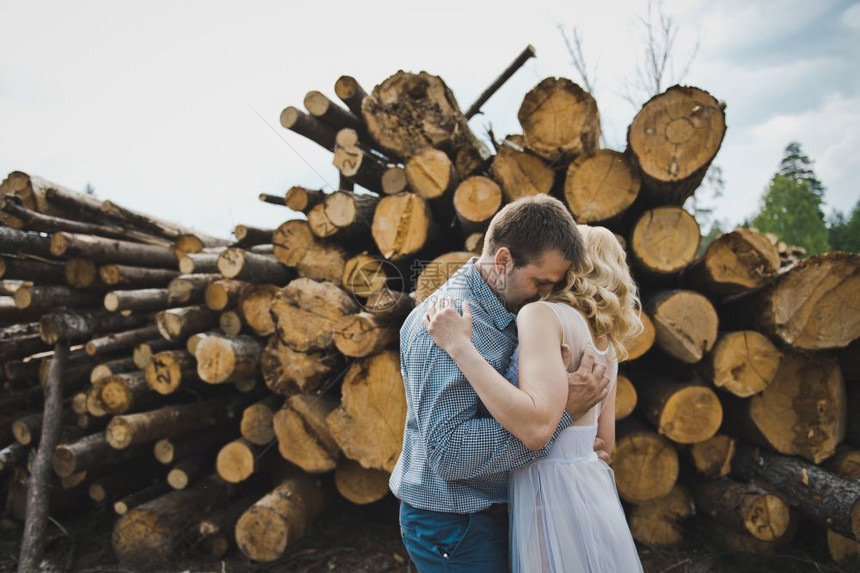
(510, 371)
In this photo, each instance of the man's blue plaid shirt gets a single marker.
(455, 456)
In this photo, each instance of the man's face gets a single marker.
(529, 283)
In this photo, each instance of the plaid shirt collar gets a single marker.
(489, 301)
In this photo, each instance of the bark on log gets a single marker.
(90, 452)
(306, 312)
(846, 462)
(743, 363)
(308, 126)
(645, 463)
(254, 304)
(143, 353)
(200, 442)
(78, 326)
(802, 412)
(734, 263)
(287, 371)
(180, 323)
(301, 199)
(673, 140)
(40, 298)
(600, 187)
(121, 341)
(140, 497)
(813, 306)
(351, 93)
(13, 268)
(186, 471)
(360, 485)
(133, 429)
(713, 457)
(520, 173)
(823, 497)
(476, 200)
(148, 299)
(664, 241)
(521, 59)
(685, 324)
(191, 288)
(124, 393)
(686, 413)
(224, 293)
(248, 266)
(111, 367)
(657, 522)
(240, 459)
(368, 425)
(357, 165)
(746, 508)
(67, 245)
(362, 334)
(135, 277)
(123, 482)
(248, 236)
(279, 519)
(303, 436)
(221, 359)
(170, 370)
(560, 120)
(200, 263)
(13, 241)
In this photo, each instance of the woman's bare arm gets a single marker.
(606, 421)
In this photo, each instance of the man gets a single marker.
(451, 477)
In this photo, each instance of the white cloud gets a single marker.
(851, 17)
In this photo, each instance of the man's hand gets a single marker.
(586, 387)
(599, 446)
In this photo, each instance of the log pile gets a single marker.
(249, 381)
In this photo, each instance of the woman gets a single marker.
(565, 511)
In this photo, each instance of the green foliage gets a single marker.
(715, 231)
(796, 165)
(845, 235)
(792, 211)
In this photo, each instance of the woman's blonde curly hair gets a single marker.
(604, 292)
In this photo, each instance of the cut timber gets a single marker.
(368, 425)
(665, 240)
(684, 413)
(103, 250)
(26, 429)
(279, 519)
(296, 246)
(431, 174)
(47, 297)
(254, 305)
(292, 241)
(365, 274)
(642, 342)
(22, 242)
(223, 294)
(89, 452)
(645, 463)
(195, 243)
(83, 273)
(143, 352)
(303, 436)
(151, 532)
(355, 163)
(129, 502)
(200, 442)
(303, 200)
(802, 412)
(673, 140)
(256, 425)
(245, 265)
(200, 263)
(351, 93)
(190, 289)
(186, 471)
(733, 263)
(122, 393)
(239, 460)
(403, 226)
(248, 236)
(79, 326)
(394, 180)
(350, 212)
(520, 173)
(287, 371)
(476, 201)
(625, 397)
(362, 334)
(813, 306)
(121, 340)
(135, 277)
(170, 370)
(713, 457)
(823, 497)
(409, 112)
(657, 522)
(308, 126)
(180, 323)
(845, 463)
(437, 272)
(389, 305)
(743, 362)
(231, 323)
(360, 485)
(685, 324)
(30, 270)
(129, 430)
(560, 120)
(139, 300)
(306, 312)
(746, 508)
(600, 187)
(222, 359)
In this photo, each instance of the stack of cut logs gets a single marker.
(220, 393)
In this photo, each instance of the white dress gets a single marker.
(564, 509)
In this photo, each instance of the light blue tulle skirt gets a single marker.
(565, 513)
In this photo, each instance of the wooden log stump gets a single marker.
(362, 334)
(355, 163)
(520, 173)
(239, 460)
(657, 522)
(734, 263)
(138, 300)
(403, 226)
(368, 425)
(823, 497)
(389, 305)
(813, 306)
(802, 412)
(743, 362)
(247, 266)
(560, 120)
(625, 397)
(306, 312)
(642, 342)
(360, 485)
(143, 352)
(437, 272)
(600, 187)
(394, 180)
(410, 112)
(254, 304)
(664, 241)
(170, 370)
(846, 462)
(256, 426)
(713, 457)
(645, 463)
(133, 429)
(746, 508)
(179, 323)
(123, 393)
(231, 323)
(303, 436)
(685, 324)
(673, 140)
(222, 359)
(279, 519)
(12, 268)
(686, 413)
(188, 470)
(191, 288)
(301, 199)
(351, 93)
(83, 273)
(431, 174)
(248, 236)
(308, 126)
(88, 453)
(365, 274)
(200, 263)
(223, 294)
(41, 298)
(135, 277)
(476, 200)
(287, 371)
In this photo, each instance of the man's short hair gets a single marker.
(531, 226)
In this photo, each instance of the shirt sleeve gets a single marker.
(459, 444)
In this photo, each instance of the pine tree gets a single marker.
(792, 211)
(845, 235)
(798, 166)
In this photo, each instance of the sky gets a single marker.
(172, 108)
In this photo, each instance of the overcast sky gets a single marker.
(157, 104)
